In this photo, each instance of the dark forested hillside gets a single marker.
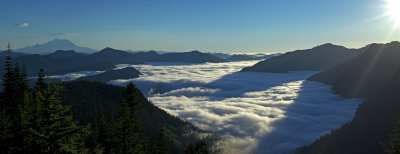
(124, 73)
(374, 75)
(315, 59)
(88, 98)
(365, 74)
(87, 117)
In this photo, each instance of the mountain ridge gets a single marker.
(53, 45)
(375, 76)
(315, 59)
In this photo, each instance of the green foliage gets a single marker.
(39, 119)
(161, 146)
(88, 99)
(40, 82)
(393, 146)
(127, 127)
(205, 145)
(35, 120)
(14, 97)
(55, 130)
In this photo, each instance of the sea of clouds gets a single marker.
(253, 112)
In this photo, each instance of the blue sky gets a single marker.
(206, 25)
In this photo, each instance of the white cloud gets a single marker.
(23, 24)
(191, 91)
(253, 112)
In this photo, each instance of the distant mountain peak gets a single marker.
(109, 49)
(65, 51)
(195, 51)
(153, 52)
(61, 43)
(54, 45)
(60, 40)
(328, 46)
(64, 54)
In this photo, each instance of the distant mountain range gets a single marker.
(14, 54)
(375, 76)
(243, 57)
(53, 45)
(59, 62)
(123, 57)
(67, 61)
(220, 55)
(191, 57)
(316, 59)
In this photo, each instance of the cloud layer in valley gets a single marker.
(253, 112)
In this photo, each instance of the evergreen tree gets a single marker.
(21, 86)
(5, 132)
(25, 80)
(32, 119)
(393, 146)
(161, 142)
(40, 81)
(205, 145)
(6, 99)
(127, 127)
(103, 133)
(21, 89)
(13, 98)
(8, 81)
(58, 132)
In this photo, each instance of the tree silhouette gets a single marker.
(127, 127)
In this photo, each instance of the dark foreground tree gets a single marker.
(393, 146)
(161, 142)
(13, 98)
(205, 145)
(34, 120)
(56, 131)
(127, 127)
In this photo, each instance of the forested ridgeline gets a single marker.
(88, 117)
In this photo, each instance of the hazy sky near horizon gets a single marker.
(206, 25)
